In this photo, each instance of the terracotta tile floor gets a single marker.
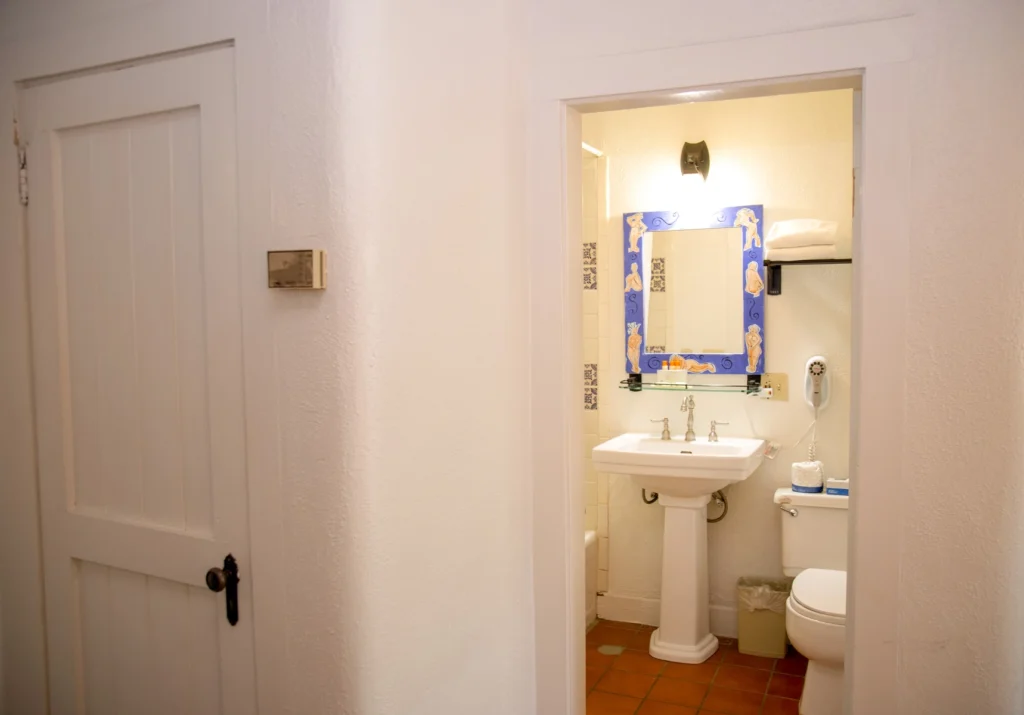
(730, 683)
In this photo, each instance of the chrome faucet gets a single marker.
(687, 406)
(713, 437)
(665, 434)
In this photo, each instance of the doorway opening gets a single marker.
(792, 149)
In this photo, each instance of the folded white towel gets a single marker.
(806, 253)
(800, 232)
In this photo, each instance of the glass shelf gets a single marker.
(669, 387)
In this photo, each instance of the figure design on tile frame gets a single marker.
(633, 342)
(754, 283)
(693, 366)
(753, 340)
(633, 280)
(637, 227)
(746, 218)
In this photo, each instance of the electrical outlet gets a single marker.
(779, 382)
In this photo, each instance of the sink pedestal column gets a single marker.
(685, 632)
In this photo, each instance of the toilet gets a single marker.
(814, 551)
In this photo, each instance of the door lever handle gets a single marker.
(226, 579)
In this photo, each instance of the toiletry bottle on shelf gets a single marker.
(664, 374)
(678, 372)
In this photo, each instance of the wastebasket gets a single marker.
(762, 615)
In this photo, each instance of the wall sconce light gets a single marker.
(696, 159)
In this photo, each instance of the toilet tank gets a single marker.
(816, 536)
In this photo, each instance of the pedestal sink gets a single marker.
(684, 474)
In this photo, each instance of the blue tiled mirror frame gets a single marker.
(750, 218)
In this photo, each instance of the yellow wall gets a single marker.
(794, 155)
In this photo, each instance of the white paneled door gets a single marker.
(137, 349)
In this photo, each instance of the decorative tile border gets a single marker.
(590, 266)
(657, 276)
(590, 386)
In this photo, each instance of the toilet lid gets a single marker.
(822, 591)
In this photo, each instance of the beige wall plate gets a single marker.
(297, 269)
(779, 383)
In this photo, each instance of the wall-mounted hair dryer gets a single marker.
(817, 383)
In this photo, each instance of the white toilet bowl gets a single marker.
(816, 625)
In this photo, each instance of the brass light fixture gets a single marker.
(696, 159)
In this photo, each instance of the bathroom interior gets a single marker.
(717, 263)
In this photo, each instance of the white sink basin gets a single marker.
(684, 474)
(679, 468)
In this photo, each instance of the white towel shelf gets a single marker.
(773, 271)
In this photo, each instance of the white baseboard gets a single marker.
(628, 609)
(633, 609)
(723, 621)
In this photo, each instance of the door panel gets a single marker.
(137, 348)
(132, 211)
(157, 621)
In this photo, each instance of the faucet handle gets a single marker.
(665, 433)
(713, 436)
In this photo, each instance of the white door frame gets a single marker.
(881, 51)
(149, 31)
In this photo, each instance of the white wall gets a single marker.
(937, 536)
(794, 155)
(582, 29)
(431, 198)
(962, 500)
(387, 416)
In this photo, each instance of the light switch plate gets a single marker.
(779, 382)
(297, 269)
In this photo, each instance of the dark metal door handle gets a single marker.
(226, 579)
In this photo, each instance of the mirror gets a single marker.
(695, 290)
(693, 305)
